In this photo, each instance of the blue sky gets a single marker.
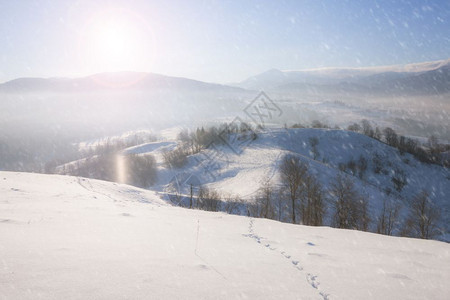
(216, 41)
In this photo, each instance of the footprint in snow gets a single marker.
(312, 281)
(317, 254)
(398, 276)
(203, 267)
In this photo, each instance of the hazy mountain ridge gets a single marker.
(421, 78)
(107, 104)
(114, 81)
(428, 77)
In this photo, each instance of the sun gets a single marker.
(117, 40)
(114, 42)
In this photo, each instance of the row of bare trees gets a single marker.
(421, 218)
(300, 198)
(308, 201)
(350, 207)
(196, 140)
(305, 193)
(175, 158)
(204, 198)
(192, 142)
(430, 152)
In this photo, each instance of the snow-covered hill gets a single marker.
(222, 169)
(75, 238)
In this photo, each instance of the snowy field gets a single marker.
(72, 238)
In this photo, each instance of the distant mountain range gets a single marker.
(126, 81)
(420, 78)
(110, 103)
(412, 79)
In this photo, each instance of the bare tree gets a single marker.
(367, 128)
(377, 163)
(422, 218)
(280, 203)
(202, 193)
(314, 197)
(362, 166)
(348, 204)
(391, 137)
(183, 136)
(191, 196)
(434, 149)
(318, 124)
(232, 204)
(377, 133)
(293, 173)
(208, 199)
(314, 142)
(141, 170)
(388, 217)
(399, 179)
(175, 158)
(265, 199)
(354, 127)
(363, 216)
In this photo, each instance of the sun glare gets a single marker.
(114, 43)
(117, 40)
(120, 169)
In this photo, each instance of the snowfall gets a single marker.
(65, 237)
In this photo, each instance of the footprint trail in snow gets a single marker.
(310, 278)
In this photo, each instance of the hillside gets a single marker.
(240, 168)
(74, 238)
(222, 169)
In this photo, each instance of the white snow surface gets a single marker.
(72, 238)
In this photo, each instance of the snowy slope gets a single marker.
(221, 168)
(241, 174)
(74, 238)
